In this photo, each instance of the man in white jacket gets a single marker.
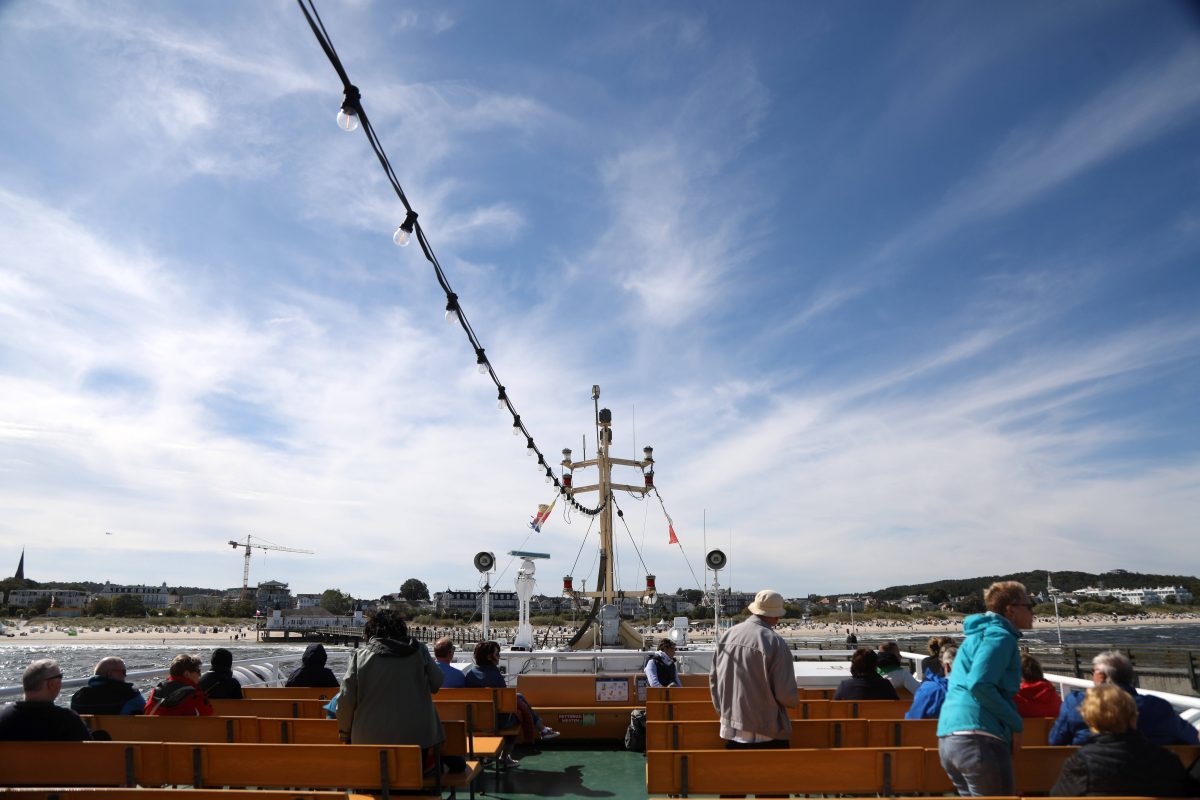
(753, 712)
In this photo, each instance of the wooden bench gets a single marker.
(95, 793)
(804, 771)
(324, 693)
(569, 704)
(807, 709)
(705, 734)
(91, 764)
(667, 693)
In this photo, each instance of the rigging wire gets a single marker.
(352, 104)
(686, 560)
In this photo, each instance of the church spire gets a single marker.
(21, 566)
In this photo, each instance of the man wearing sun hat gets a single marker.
(752, 680)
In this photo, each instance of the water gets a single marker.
(79, 660)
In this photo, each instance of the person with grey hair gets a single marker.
(1156, 719)
(927, 702)
(35, 718)
(751, 682)
(107, 692)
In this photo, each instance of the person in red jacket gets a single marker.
(180, 695)
(1037, 696)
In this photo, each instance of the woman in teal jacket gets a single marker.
(979, 726)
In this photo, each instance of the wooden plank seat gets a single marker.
(806, 733)
(91, 764)
(668, 693)
(807, 709)
(324, 693)
(98, 793)
(295, 707)
(125, 728)
(371, 768)
(848, 770)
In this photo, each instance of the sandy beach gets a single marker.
(58, 630)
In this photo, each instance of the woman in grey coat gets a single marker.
(387, 692)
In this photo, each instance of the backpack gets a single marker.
(635, 734)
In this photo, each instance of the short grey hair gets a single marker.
(947, 653)
(1116, 666)
(38, 672)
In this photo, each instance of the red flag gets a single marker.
(671, 530)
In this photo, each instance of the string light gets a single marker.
(403, 235)
(529, 450)
(349, 118)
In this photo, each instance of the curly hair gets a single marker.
(184, 663)
(1108, 709)
(386, 624)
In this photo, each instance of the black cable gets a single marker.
(353, 99)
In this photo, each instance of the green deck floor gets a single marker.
(566, 771)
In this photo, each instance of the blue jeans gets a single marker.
(978, 766)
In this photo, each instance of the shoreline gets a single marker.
(89, 636)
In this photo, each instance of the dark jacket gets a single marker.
(871, 687)
(313, 671)
(387, 695)
(1123, 764)
(219, 684)
(41, 721)
(178, 697)
(107, 696)
(1157, 721)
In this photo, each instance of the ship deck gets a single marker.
(571, 770)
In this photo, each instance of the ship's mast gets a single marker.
(604, 487)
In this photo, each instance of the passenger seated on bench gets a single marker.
(865, 682)
(312, 671)
(1120, 760)
(107, 692)
(387, 691)
(219, 683)
(927, 702)
(486, 674)
(660, 668)
(35, 718)
(180, 695)
(894, 671)
(932, 661)
(443, 652)
(1157, 720)
(1037, 696)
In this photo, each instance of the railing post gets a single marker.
(1192, 678)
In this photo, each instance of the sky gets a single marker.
(897, 292)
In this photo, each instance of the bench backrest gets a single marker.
(296, 707)
(807, 709)
(704, 693)
(782, 772)
(124, 728)
(82, 763)
(97, 793)
(577, 691)
(313, 766)
(325, 693)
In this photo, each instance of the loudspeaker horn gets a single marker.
(484, 561)
(715, 560)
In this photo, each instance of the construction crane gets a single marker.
(246, 567)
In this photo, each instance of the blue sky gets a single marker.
(897, 291)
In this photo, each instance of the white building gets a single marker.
(152, 596)
(59, 598)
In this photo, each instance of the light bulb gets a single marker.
(451, 316)
(483, 368)
(347, 121)
(401, 237)
(547, 479)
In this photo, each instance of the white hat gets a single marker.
(767, 603)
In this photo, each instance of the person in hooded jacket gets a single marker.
(1119, 760)
(313, 671)
(979, 727)
(1037, 696)
(180, 695)
(927, 702)
(107, 692)
(865, 682)
(387, 691)
(218, 683)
